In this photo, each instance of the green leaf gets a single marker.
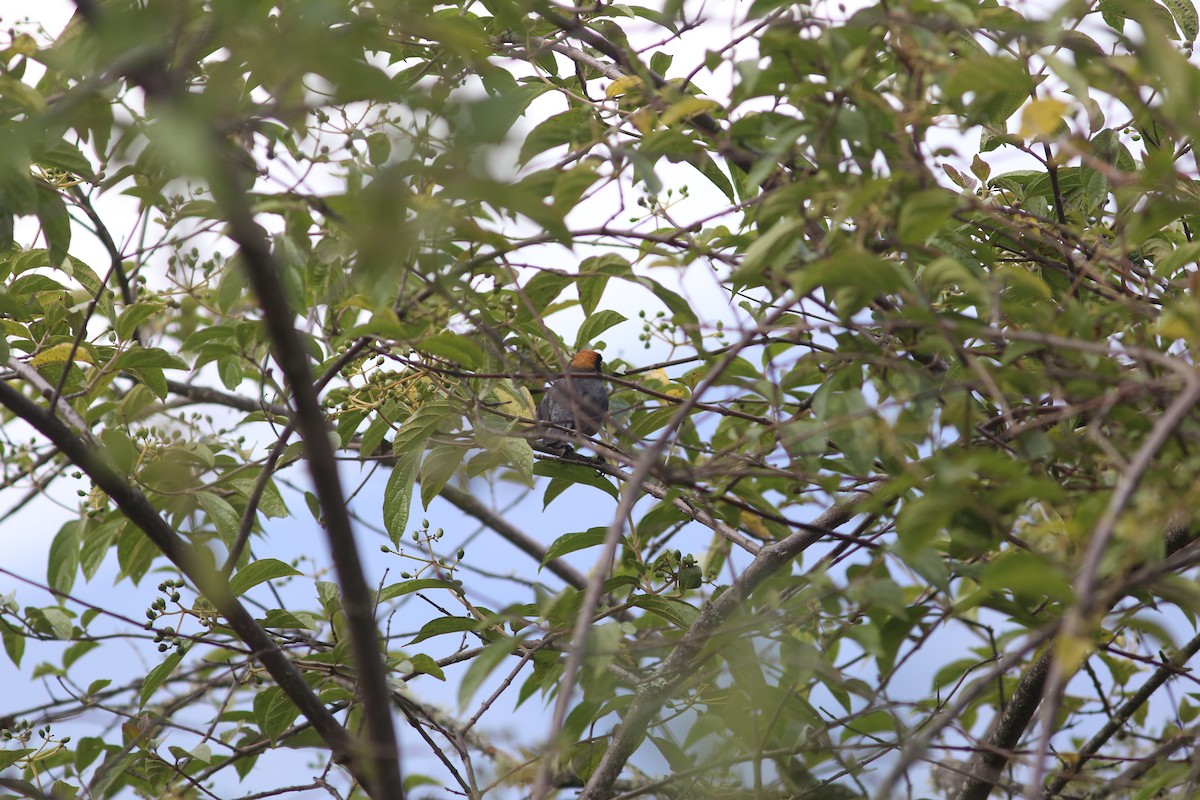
(677, 758)
(492, 117)
(330, 596)
(256, 572)
(89, 747)
(425, 665)
(672, 609)
(148, 358)
(347, 424)
(567, 475)
(482, 666)
(1184, 12)
(25, 96)
(594, 272)
(65, 156)
(379, 148)
(226, 519)
(454, 347)
(597, 324)
(570, 185)
(647, 422)
(274, 711)
(56, 224)
(571, 542)
(570, 127)
(133, 316)
(991, 87)
(14, 643)
(441, 625)
(437, 468)
(231, 373)
(10, 757)
(314, 505)
(853, 279)
(372, 437)
(110, 772)
(774, 247)
(543, 288)
(270, 503)
(397, 495)
(924, 214)
(643, 170)
(417, 585)
(27, 285)
(157, 675)
(300, 620)
(135, 553)
(1116, 12)
(1027, 576)
(77, 651)
(64, 557)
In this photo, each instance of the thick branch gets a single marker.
(684, 657)
(357, 598)
(212, 585)
(380, 772)
(987, 764)
(1122, 715)
(1089, 600)
(205, 394)
(985, 767)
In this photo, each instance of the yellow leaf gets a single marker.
(688, 108)
(658, 376)
(1042, 118)
(25, 45)
(513, 400)
(1071, 650)
(623, 85)
(1178, 321)
(60, 353)
(753, 524)
(643, 119)
(657, 379)
(13, 328)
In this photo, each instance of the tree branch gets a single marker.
(1087, 600)
(983, 771)
(468, 504)
(380, 771)
(209, 582)
(206, 394)
(268, 468)
(1122, 715)
(358, 600)
(681, 662)
(741, 157)
(645, 465)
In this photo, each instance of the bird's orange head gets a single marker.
(586, 360)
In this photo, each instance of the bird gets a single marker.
(577, 400)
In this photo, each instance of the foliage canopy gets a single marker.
(899, 499)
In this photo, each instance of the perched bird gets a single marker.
(577, 400)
